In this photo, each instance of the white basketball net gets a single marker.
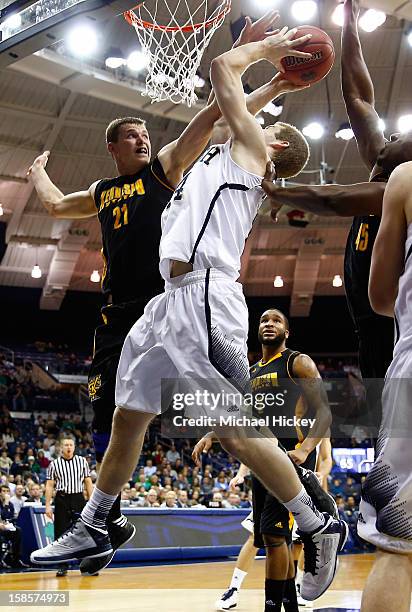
(174, 35)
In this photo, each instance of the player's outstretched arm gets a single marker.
(389, 248)
(358, 91)
(327, 200)
(249, 148)
(77, 205)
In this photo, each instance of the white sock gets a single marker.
(304, 512)
(299, 576)
(237, 578)
(97, 509)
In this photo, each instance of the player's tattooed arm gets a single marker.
(306, 374)
(358, 90)
(326, 200)
(389, 248)
(77, 205)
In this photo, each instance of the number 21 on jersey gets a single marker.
(120, 216)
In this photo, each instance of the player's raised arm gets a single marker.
(177, 156)
(77, 205)
(357, 88)
(249, 146)
(389, 248)
(258, 99)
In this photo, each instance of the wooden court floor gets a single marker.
(179, 588)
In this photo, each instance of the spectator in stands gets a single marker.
(18, 499)
(46, 450)
(246, 501)
(207, 485)
(221, 481)
(154, 481)
(18, 467)
(181, 483)
(5, 462)
(351, 487)
(336, 486)
(170, 500)
(233, 501)
(216, 501)
(125, 497)
(35, 495)
(172, 455)
(195, 500)
(8, 437)
(42, 460)
(9, 530)
(151, 500)
(182, 499)
(158, 455)
(149, 469)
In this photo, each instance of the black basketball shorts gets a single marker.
(108, 342)
(270, 516)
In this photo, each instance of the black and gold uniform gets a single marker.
(375, 333)
(129, 210)
(273, 377)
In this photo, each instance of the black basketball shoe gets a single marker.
(321, 499)
(118, 536)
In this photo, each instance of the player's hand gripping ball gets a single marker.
(302, 71)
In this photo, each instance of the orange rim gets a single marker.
(133, 20)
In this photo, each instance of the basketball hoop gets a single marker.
(174, 36)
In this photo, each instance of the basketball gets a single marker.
(302, 71)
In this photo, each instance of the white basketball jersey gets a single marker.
(210, 214)
(403, 309)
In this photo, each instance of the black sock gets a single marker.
(115, 512)
(290, 601)
(274, 590)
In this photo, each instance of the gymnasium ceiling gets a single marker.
(51, 101)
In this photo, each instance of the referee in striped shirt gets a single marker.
(70, 474)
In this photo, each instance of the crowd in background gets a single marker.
(164, 478)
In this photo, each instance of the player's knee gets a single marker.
(273, 541)
(234, 446)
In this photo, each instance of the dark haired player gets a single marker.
(279, 370)
(129, 209)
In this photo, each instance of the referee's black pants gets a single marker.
(67, 507)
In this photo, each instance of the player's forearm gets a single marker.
(243, 471)
(238, 59)
(325, 467)
(226, 74)
(356, 81)
(49, 195)
(331, 200)
(259, 98)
